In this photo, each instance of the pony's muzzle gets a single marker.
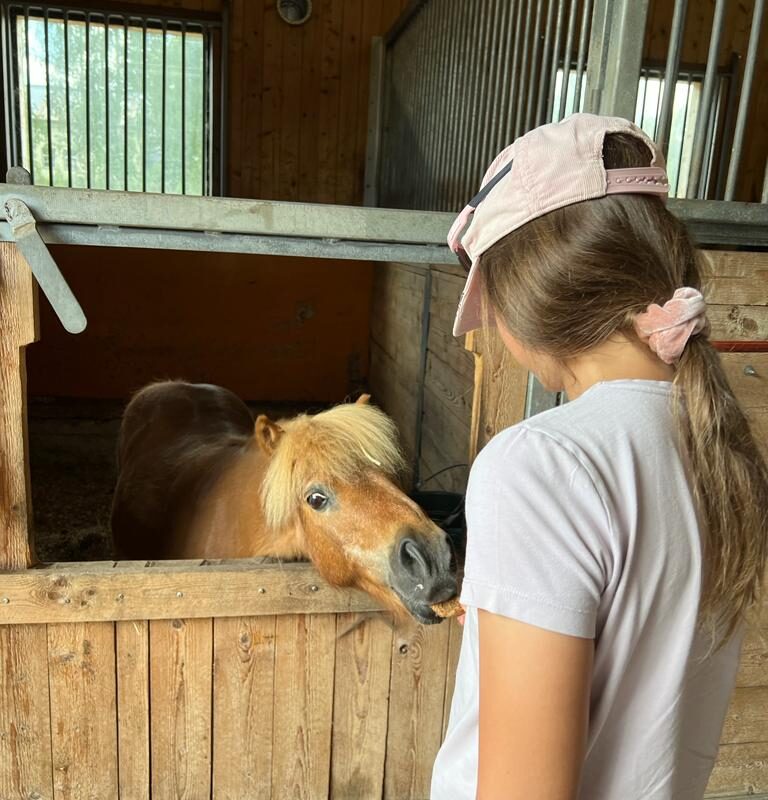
(421, 569)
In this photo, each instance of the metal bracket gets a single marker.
(43, 267)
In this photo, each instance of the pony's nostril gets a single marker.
(412, 559)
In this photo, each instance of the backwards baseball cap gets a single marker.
(550, 167)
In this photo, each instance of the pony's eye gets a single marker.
(317, 501)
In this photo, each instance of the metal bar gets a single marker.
(670, 73)
(162, 128)
(125, 103)
(544, 70)
(764, 195)
(29, 97)
(746, 96)
(534, 83)
(88, 100)
(582, 54)
(537, 398)
(144, 107)
(550, 109)
(509, 127)
(183, 109)
(682, 134)
(426, 303)
(404, 21)
(375, 122)
(726, 139)
(567, 58)
(11, 80)
(207, 114)
(520, 85)
(644, 77)
(48, 99)
(699, 139)
(224, 102)
(66, 93)
(106, 101)
(615, 56)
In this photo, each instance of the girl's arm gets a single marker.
(534, 710)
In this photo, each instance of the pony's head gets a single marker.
(332, 478)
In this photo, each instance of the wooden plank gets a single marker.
(447, 431)
(303, 705)
(25, 715)
(750, 389)
(415, 709)
(454, 649)
(747, 717)
(740, 768)
(361, 705)
(180, 708)
(291, 77)
(18, 315)
(451, 351)
(243, 683)
(446, 291)
(736, 277)
(753, 669)
(331, 15)
(450, 389)
(432, 461)
(271, 101)
(216, 590)
(738, 323)
(81, 669)
(132, 655)
(348, 171)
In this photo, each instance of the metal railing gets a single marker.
(456, 80)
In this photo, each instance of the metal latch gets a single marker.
(43, 267)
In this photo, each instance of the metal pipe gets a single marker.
(670, 73)
(144, 106)
(550, 109)
(682, 134)
(524, 63)
(644, 76)
(125, 103)
(699, 139)
(509, 128)
(66, 96)
(11, 78)
(534, 82)
(224, 117)
(183, 108)
(162, 127)
(764, 196)
(544, 71)
(29, 97)
(567, 58)
(48, 99)
(106, 100)
(726, 139)
(746, 95)
(581, 57)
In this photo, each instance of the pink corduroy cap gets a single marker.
(550, 167)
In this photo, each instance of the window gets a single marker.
(103, 100)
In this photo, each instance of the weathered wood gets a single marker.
(180, 708)
(736, 277)
(132, 656)
(81, 668)
(750, 389)
(330, 14)
(303, 706)
(740, 769)
(738, 323)
(18, 313)
(361, 695)
(243, 680)
(747, 717)
(454, 390)
(416, 700)
(168, 592)
(25, 716)
(753, 669)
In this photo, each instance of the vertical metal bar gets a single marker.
(29, 96)
(726, 139)
(746, 96)
(585, 17)
(66, 95)
(544, 69)
(644, 77)
(12, 88)
(372, 189)
(520, 84)
(567, 58)
(534, 83)
(492, 139)
(125, 103)
(48, 99)
(207, 187)
(550, 109)
(106, 99)
(183, 108)
(224, 105)
(670, 73)
(699, 139)
(88, 100)
(656, 111)
(509, 127)
(711, 129)
(764, 196)
(682, 134)
(144, 106)
(162, 128)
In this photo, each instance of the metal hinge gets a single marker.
(32, 247)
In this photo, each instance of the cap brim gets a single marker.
(469, 316)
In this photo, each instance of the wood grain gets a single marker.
(736, 277)
(25, 717)
(303, 706)
(81, 668)
(180, 708)
(132, 656)
(243, 685)
(18, 312)
(360, 707)
(740, 770)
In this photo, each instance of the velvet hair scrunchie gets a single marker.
(667, 328)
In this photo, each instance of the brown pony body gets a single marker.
(199, 479)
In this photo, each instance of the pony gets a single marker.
(198, 478)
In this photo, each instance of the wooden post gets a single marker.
(18, 328)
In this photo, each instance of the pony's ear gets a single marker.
(363, 400)
(267, 433)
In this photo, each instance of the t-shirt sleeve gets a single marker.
(538, 534)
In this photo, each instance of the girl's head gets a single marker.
(570, 244)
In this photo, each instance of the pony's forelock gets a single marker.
(334, 446)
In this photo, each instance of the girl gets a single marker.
(614, 543)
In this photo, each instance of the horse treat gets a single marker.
(449, 608)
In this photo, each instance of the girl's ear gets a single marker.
(267, 433)
(363, 400)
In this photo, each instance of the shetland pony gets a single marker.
(198, 479)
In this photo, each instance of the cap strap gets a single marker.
(637, 180)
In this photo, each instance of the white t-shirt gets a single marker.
(581, 520)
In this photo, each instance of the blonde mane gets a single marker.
(334, 446)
